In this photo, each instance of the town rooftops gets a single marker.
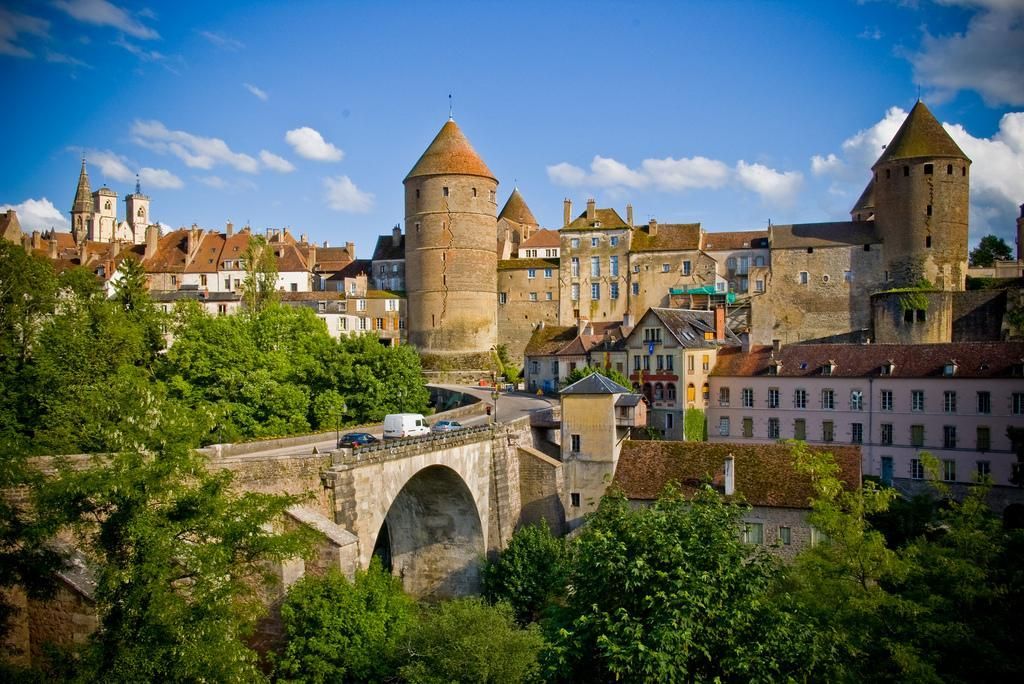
(450, 154)
(666, 237)
(554, 340)
(689, 326)
(595, 383)
(515, 209)
(971, 360)
(921, 135)
(765, 473)
(354, 268)
(542, 238)
(735, 239)
(386, 249)
(604, 219)
(835, 234)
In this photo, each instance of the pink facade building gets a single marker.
(953, 400)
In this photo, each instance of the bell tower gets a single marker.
(82, 209)
(136, 206)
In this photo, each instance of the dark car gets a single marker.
(356, 439)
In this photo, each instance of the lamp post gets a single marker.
(494, 398)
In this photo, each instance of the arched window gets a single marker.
(949, 169)
(670, 391)
(691, 392)
(659, 391)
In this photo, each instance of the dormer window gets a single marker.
(828, 368)
(949, 370)
(888, 367)
(773, 367)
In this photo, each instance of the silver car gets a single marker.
(446, 426)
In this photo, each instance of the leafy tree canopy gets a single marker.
(581, 372)
(989, 250)
(529, 573)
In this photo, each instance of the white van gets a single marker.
(398, 425)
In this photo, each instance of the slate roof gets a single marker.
(554, 340)
(835, 234)
(735, 239)
(765, 475)
(83, 197)
(606, 218)
(688, 326)
(921, 135)
(450, 153)
(512, 264)
(866, 201)
(974, 360)
(669, 237)
(515, 209)
(595, 383)
(542, 238)
(386, 248)
(354, 268)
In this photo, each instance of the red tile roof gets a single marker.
(668, 237)
(736, 239)
(765, 473)
(542, 238)
(450, 153)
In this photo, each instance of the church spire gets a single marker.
(83, 196)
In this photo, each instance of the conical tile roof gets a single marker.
(866, 200)
(921, 135)
(83, 196)
(450, 154)
(515, 209)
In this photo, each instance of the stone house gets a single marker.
(543, 244)
(954, 400)
(745, 256)
(593, 265)
(388, 267)
(554, 352)
(762, 476)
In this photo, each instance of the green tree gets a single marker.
(259, 287)
(342, 631)
(696, 425)
(466, 640)
(131, 292)
(529, 573)
(180, 557)
(581, 372)
(989, 250)
(671, 593)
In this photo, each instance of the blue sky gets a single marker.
(308, 114)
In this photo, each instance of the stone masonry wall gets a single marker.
(541, 490)
(67, 619)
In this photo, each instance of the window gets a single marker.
(747, 396)
(202, 279)
(548, 296)
(534, 367)
(906, 170)
(364, 323)
(856, 433)
(916, 469)
(773, 428)
(531, 273)
(613, 240)
(785, 536)
(800, 399)
(773, 397)
(474, 192)
(1018, 403)
(887, 470)
(917, 400)
(748, 427)
(887, 400)
(886, 434)
(827, 431)
(636, 288)
(828, 399)
(686, 268)
(759, 285)
(360, 305)
(847, 276)
(533, 296)
(652, 334)
(949, 401)
(554, 368)
(222, 309)
(723, 426)
(659, 391)
(594, 242)
(613, 265)
(929, 169)
(705, 362)
(949, 470)
(502, 297)
(983, 471)
(595, 291)
(595, 267)
(984, 442)
(753, 533)
(574, 499)
(665, 268)
(660, 362)
(574, 292)
(669, 421)
(799, 429)
(574, 243)
(949, 436)
(444, 191)
(379, 324)
(917, 435)
(574, 444)
(984, 402)
(723, 396)
(804, 278)
(690, 360)
(670, 391)
(575, 267)
(705, 392)
(856, 400)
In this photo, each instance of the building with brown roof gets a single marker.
(516, 224)
(389, 261)
(954, 400)
(554, 352)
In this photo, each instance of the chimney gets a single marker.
(312, 257)
(627, 320)
(652, 227)
(303, 239)
(37, 240)
(396, 236)
(350, 247)
(52, 248)
(745, 342)
(730, 475)
(152, 239)
(629, 215)
(326, 244)
(115, 248)
(591, 210)
(581, 325)
(719, 322)
(193, 240)
(229, 229)
(566, 211)
(776, 347)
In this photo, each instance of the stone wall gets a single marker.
(914, 317)
(978, 315)
(519, 316)
(67, 619)
(772, 519)
(541, 490)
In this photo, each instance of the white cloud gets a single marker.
(823, 165)
(775, 187)
(567, 174)
(213, 181)
(159, 178)
(196, 151)
(682, 174)
(258, 92)
(308, 143)
(610, 173)
(223, 42)
(343, 195)
(275, 163)
(987, 57)
(37, 214)
(103, 13)
(870, 33)
(13, 26)
(61, 58)
(140, 52)
(112, 166)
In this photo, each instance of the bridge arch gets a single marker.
(432, 535)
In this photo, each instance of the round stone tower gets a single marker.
(451, 254)
(920, 189)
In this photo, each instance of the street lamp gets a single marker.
(494, 398)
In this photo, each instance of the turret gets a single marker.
(82, 207)
(136, 211)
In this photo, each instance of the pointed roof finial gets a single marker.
(451, 116)
(918, 93)
(138, 188)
